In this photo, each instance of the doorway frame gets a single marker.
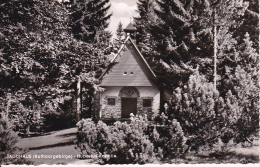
(129, 92)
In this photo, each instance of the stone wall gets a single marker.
(141, 110)
(111, 111)
(114, 111)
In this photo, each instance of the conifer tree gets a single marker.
(88, 17)
(186, 37)
(144, 23)
(119, 40)
(141, 22)
(240, 78)
(193, 105)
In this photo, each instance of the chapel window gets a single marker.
(147, 102)
(111, 101)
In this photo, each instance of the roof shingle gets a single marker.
(130, 69)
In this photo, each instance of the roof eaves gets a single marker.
(121, 48)
(143, 58)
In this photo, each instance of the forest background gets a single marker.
(204, 51)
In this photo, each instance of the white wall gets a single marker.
(109, 91)
(151, 92)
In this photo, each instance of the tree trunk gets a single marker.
(215, 58)
(78, 101)
(27, 131)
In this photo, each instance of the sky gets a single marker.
(122, 10)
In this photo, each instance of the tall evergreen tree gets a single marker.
(250, 24)
(119, 36)
(88, 17)
(144, 23)
(188, 25)
(186, 32)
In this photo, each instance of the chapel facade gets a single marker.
(129, 84)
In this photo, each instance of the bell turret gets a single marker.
(130, 30)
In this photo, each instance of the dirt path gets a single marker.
(61, 137)
(55, 148)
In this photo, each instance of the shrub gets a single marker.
(8, 139)
(207, 118)
(24, 118)
(246, 95)
(240, 87)
(197, 106)
(168, 136)
(124, 142)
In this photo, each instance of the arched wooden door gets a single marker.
(129, 97)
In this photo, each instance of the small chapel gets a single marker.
(129, 84)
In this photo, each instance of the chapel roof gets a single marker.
(128, 68)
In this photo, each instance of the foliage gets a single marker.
(8, 139)
(247, 103)
(168, 136)
(88, 17)
(32, 51)
(136, 141)
(190, 31)
(239, 80)
(119, 40)
(23, 118)
(197, 107)
(145, 22)
(206, 117)
(41, 60)
(181, 55)
(186, 35)
(124, 142)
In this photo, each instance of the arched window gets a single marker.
(129, 92)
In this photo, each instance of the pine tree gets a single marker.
(240, 78)
(88, 17)
(144, 22)
(250, 24)
(119, 40)
(194, 106)
(186, 37)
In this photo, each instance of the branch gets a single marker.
(189, 68)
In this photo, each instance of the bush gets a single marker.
(197, 106)
(8, 139)
(207, 118)
(168, 136)
(136, 141)
(25, 118)
(124, 142)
